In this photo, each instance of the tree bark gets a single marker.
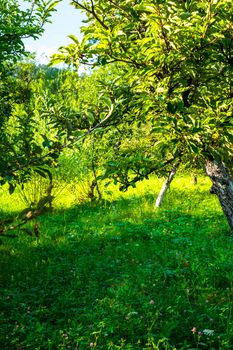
(222, 186)
(164, 188)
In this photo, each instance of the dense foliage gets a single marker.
(175, 58)
(178, 61)
(19, 22)
(19, 149)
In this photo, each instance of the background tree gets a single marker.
(17, 23)
(19, 149)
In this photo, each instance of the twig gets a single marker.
(92, 12)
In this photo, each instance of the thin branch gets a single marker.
(168, 47)
(140, 176)
(92, 12)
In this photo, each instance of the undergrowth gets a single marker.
(120, 274)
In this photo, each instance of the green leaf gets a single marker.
(45, 171)
(229, 136)
(11, 188)
(74, 39)
(171, 107)
(193, 147)
(185, 15)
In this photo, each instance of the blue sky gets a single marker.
(66, 20)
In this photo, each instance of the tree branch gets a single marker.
(92, 12)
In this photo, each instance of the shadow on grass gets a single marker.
(117, 272)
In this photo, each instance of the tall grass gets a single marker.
(120, 274)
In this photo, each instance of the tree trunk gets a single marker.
(222, 186)
(164, 188)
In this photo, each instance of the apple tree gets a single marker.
(177, 57)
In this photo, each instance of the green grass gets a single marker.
(120, 274)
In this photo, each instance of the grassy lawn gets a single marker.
(120, 274)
